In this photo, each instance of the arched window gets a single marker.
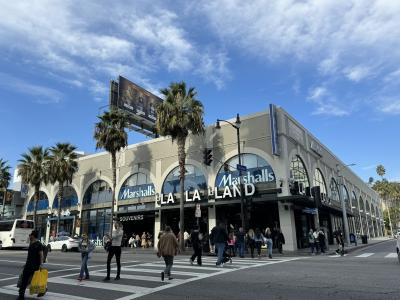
(354, 200)
(194, 179)
(70, 198)
(43, 202)
(137, 186)
(345, 195)
(320, 181)
(98, 192)
(258, 171)
(362, 206)
(334, 190)
(298, 171)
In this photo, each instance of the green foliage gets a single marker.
(5, 175)
(380, 170)
(62, 163)
(32, 166)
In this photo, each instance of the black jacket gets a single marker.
(218, 235)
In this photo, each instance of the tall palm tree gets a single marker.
(383, 189)
(380, 170)
(32, 169)
(5, 177)
(62, 165)
(178, 115)
(110, 135)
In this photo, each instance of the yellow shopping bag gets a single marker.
(39, 282)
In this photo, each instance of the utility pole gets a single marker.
(344, 212)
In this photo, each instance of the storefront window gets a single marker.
(96, 223)
(298, 171)
(334, 191)
(98, 192)
(258, 171)
(319, 181)
(194, 180)
(136, 186)
(354, 201)
(43, 202)
(345, 195)
(70, 198)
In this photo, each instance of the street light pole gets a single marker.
(237, 127)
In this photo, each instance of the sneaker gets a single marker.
(162, 276)
(170, 278)
(117, 278)
(106, 279)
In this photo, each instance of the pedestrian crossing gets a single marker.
(369, 255)
(138, 279)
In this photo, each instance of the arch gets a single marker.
(194, 179)
(136, 186)
(258, 170)
(91, 181)
(354, 202)
(298, 171)
(319, 180)
(43, 202)
(98, 192)
(345, 195)
(70, 198)
(362, 205)
(334, 190)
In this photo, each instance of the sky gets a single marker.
(333, 65)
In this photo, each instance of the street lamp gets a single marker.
(236, 125)
(341, 198)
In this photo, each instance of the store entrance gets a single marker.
(170, 217)
(137, 223)
(304, 222)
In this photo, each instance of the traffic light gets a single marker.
(207, 156)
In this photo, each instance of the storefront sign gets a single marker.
(131, 218)
(252, 176)
(139, 191)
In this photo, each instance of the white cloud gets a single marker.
(326, 103)
(317, 93)
(391, 107)
(357, 73)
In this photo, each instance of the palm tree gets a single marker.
(32, 169)
(383, 189)
(110, 135)
(5, 177)
(380, 170)
(178, 115)
(62, 165)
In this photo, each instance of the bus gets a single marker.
(15, 233)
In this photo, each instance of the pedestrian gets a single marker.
(269, 241)
(167, 248)
(220, 238)
(132, 241)
(115, 249)
(137, 240)
(340, 241)
(231, 244)
(124, 240)
(316, 242)
(186, 237)
(144, 245)
(280, 240)
(149, 239)
(85, 248)
(34, 261)
(311, 241)
(259, 240)
(196, 239)
(240, 241)
(251, 242)
(321, 238)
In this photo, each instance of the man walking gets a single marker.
(33, 262)
(167, 248)
(115, 249)
(197, 242)
(220, 237)
(240, 241)
(340, 241)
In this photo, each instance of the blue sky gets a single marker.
(333, 66)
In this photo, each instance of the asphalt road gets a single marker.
(370, 273)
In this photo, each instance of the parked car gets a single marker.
(63, 243)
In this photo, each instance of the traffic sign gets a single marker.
(241, 168)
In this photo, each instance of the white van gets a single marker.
(15, 233)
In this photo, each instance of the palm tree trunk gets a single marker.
(181, 158)
(4, 201)
(35, 204)
(60, 197)
(114, 184)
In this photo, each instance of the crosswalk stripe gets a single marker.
(136, 277)
(391, 255)
(101, 285)
(160, 270)
(186, 266)
(365, 255)
(205, 264)
(13, 290)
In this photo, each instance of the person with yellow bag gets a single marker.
(34, 261)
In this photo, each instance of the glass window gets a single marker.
(320, 181)
(24, 224)
(354, 200)
(42, 204)
(334, 190)
(345, 195)
(362, 208)
(137, 186)
(194, 179)
(6, 225)
(70, 198)
(298, 171)
(98, 192)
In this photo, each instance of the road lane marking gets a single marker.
(13, 290)
(365, 255)
(391, 255)
(134, 277)
(160, 270)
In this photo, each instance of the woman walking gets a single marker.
(259, 240)
(250, 241)
(231, 244)
(85, 248)
(268, 241)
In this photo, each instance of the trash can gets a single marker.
(364, 239)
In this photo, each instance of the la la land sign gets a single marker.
(228, 192)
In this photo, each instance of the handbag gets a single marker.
(39, 282)
(107, 246)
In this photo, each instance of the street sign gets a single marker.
(197, 212)
(241, 168)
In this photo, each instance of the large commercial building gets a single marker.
(290, 181)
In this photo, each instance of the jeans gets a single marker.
(269, 245)
(114, 250)
(169, 261)
(258, 247)
(220, 248)
(312, 246)
(241, 249)
(197, 253)
(26, 277)
(84, 268)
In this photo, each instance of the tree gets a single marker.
(5, 177)
(384, 188)
(32, 169)
(110, 135)
(380, 170)
(62, 165)
(178, 115)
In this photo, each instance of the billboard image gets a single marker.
(139, 103)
